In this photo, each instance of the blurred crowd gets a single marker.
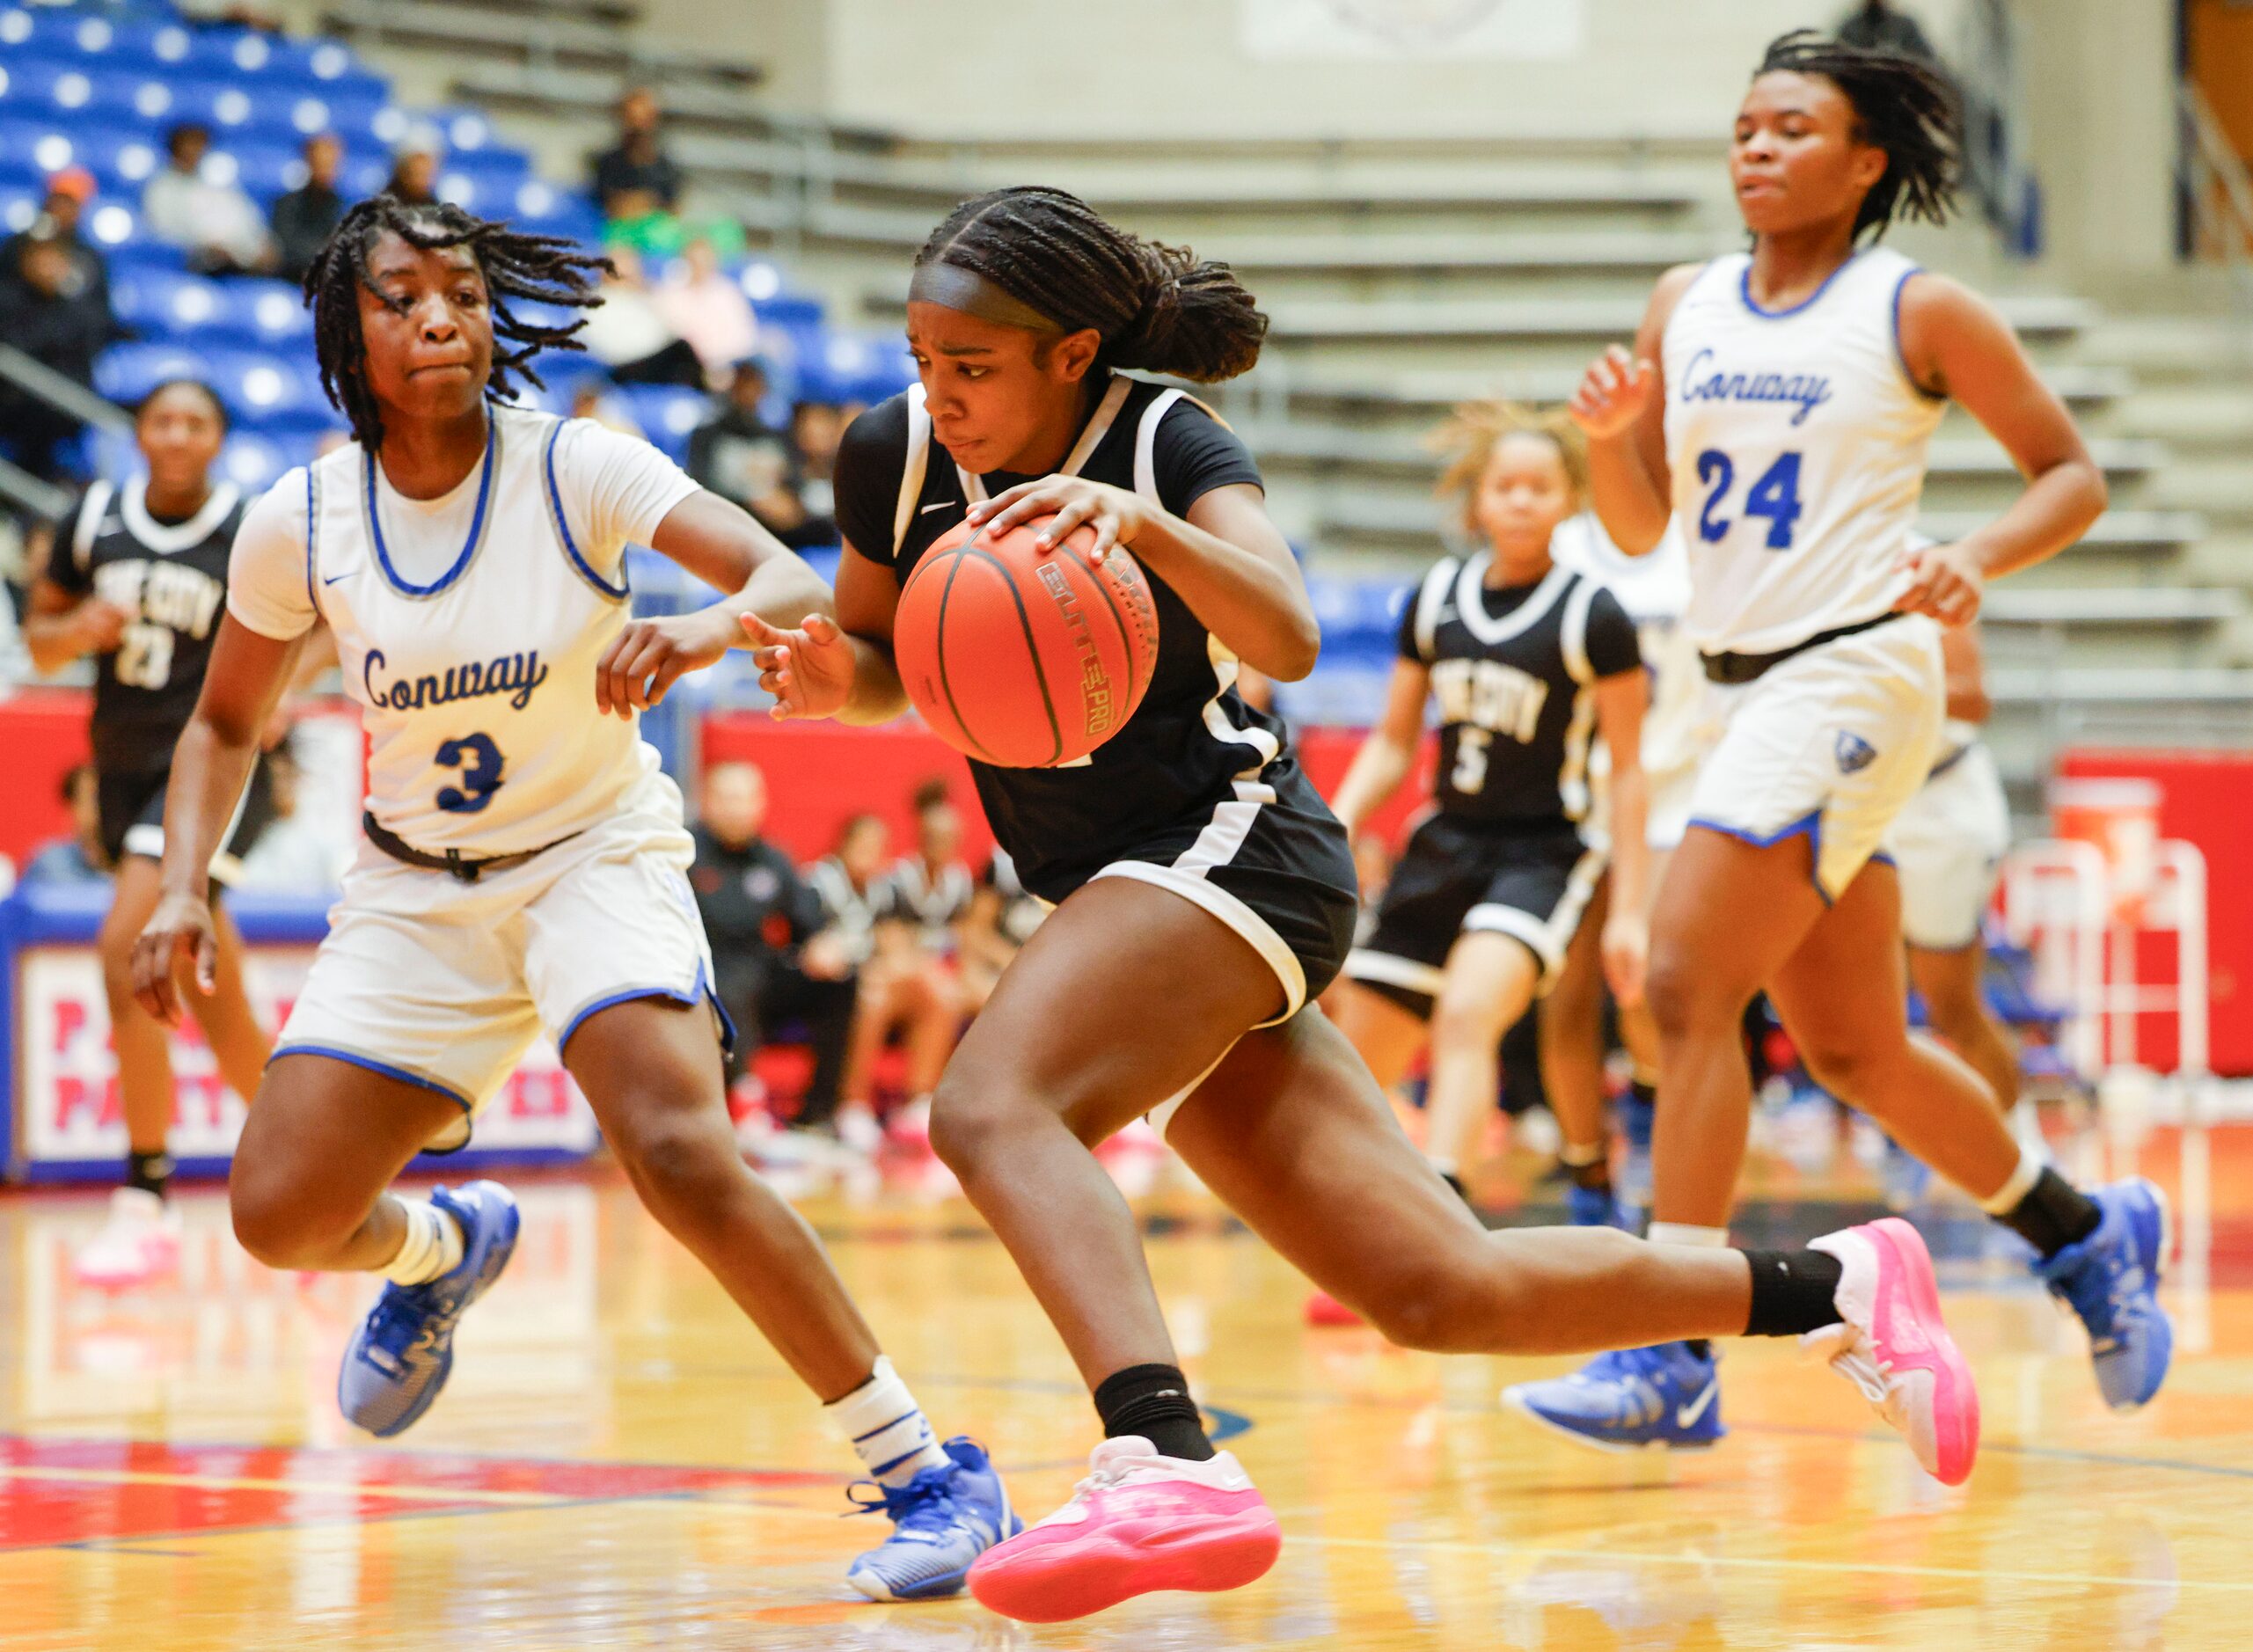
(866, 964)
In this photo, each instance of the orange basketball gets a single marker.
(1022, 657)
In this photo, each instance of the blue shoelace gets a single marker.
(924, 1505)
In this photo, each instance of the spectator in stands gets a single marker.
(51, 316)
(1002, 917)
(816, 427)
(78, 857)
(899, 993)
(290, 852)
(635, 176)
(708, 311)
(304, 218)
(775, 960)
(414, 175)
(931, 887)
(629, 335)
(68, 192)
(740, 457)
(1879, 25)
(597, 398)
(221, 228)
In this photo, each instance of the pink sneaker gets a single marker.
(1895, 1348)
(140, 1242)
(1139, 1522)
(1324, 1309)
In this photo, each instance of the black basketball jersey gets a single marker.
(934, 902)
(171, 579)
(1513, 671)
(1193, 740)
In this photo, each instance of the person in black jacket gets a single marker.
(773, 959)
(303, 219)
(52, 315)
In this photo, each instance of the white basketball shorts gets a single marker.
(1949, 843)
(444, 983)
(1829, 744)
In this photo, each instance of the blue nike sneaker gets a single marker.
(2111, 1279)
(400, 1358)
(1640, 1399)
(1595, 1207)
(942, 1520)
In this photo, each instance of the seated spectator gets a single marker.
(51, 316)
(76, 858)
(68, 192)
(932, 888)
(1003, 916)
(635, 176)
(304, 219)
(220, 227)
(415, 176)
(290, 852)
(597, 398)
(816, 427)
(774, 960)
(740, 457)
(901, 992)
(1876, 25)
(708, 311)
(628, 334)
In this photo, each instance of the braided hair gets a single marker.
(1903, 104)
(545, 269)
(1157, 308)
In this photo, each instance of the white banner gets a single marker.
(1412, 30)
(67, 1102)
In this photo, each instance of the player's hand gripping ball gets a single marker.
(1021, 654)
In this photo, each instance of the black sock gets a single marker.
(1596, 1176)
(1698, 1346)
(1153, 1401)
(1793, 1292)
(2053, 1214)
(148, 1172)
(1456, 1183)
(1643, 1091)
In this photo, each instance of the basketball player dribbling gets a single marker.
(1205, 895)
(1777, 405)
(525, 863)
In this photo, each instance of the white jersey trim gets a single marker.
(92, 509)
(916, 467)
(1430, 600)
(151, 535)
(1470, 602)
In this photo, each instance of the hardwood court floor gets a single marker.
(620, 1462)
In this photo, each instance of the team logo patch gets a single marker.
(1855, 753)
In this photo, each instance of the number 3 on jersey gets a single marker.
(1776, 496)
(479, 760)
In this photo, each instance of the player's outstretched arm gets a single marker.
(210, 767)
(1388, 752)
(724, 545)
(842, 668)
(1954, 344)
(1621, 405)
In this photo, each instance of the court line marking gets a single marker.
(1741, 1562)
(296, 1487)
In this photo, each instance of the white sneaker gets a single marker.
(910, 1126)
(139, 1242)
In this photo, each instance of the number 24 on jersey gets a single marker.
(1776, 496)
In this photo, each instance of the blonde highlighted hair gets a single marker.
(1468, 439)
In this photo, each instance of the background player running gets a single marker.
(1205, 895)
(137, 578)
(525, 865)
(1779, 404)
(1530, 664)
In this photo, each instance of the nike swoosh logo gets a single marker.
(943, 504)
(1686, 1416)
(347, 574)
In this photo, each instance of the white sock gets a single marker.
(433, 1245)
(880, 1421)
(1443, 1163)
(2005, 1199)
(1579, 1157)
(1712, 1239)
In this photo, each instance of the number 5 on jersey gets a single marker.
(479, 760)
(1776, 496)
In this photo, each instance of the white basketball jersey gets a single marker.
(1655, 590)
(1797, 442)
(475, 669)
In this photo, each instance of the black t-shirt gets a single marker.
(1167, 766)
(171, 579)
(1513, 669)
(616, 171)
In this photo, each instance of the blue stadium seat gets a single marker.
(263, 170)
(121, 157)
(41, 87)
(127, 372)
(253, 462)
(51, 32)
(542, 207)
(270, 392)
(668, 415)
(164, 306)
(473, 183)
